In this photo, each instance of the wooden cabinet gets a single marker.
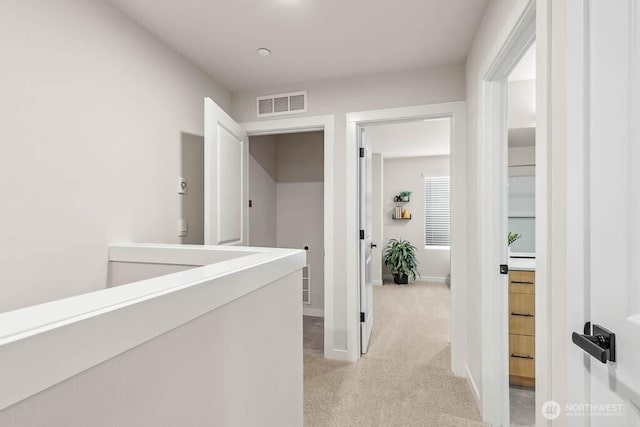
(522, 309)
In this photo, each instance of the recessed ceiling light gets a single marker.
(263, 51)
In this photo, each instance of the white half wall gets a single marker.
(201, 373)
(92, 110)
(408, 174)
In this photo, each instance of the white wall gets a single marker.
(338, 97)
(300, 224)
(377, 234)
(262, 190)
(408, 174)
(500, 17)
(286, 174)
(192, 203)
(300, 204)
(92, 111)
(521, 104)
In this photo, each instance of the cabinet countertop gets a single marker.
(522, 264)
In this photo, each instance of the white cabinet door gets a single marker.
(603, 210)
(225, 178)
(366, 226)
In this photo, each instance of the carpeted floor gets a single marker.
(404, 380)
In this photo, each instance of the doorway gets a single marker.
(455, 112)
(405, 211)
(496, 282)
(286, 210)
(521, 222)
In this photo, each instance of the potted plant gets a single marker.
(511, 238)
(400, 257)
(403, 196)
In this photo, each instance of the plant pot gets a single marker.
(404, 198)
(401, 279)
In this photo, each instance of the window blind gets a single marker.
(437, 221)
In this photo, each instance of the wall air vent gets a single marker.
(285, 103)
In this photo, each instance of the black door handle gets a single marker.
(601, 343)
(373, 245)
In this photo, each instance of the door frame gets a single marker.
(532, 25)
(456, 111)
(326, 124)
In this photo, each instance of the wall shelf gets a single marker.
(401, 219)
(395, 200)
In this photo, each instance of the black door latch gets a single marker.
(599, 343)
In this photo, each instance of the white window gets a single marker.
(436, 211)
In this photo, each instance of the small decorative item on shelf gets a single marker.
(402, 196)
(401, 213)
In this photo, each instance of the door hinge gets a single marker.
(250, 203)
(361, 234)
(361, 151)
(362, 317)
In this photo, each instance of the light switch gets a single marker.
(182, 185)
(182, 227)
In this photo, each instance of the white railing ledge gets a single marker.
(47, 343)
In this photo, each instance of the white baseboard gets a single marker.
(314, 312)
(341, 355)
(436, 279)
(474, 388)
(377, 283)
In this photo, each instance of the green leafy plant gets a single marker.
(513, 237)
(402, 196)
(400, 257)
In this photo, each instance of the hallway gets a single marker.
(405, 379)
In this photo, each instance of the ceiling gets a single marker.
(410, 139)
(310, 39)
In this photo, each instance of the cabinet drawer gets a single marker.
(521, 324)
(522, 282)
(522, 345)
(522, 303)
(522, 367)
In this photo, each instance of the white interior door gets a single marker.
(604, 212)
(225, 178)
(366, 227)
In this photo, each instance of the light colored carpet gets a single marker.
(405, 379)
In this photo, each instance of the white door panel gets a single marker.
(610, 185)
(226, 178)
(366, 225)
